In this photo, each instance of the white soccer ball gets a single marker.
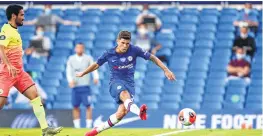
(187, 116)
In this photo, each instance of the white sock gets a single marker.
(76, 123)
(130, 106)
(88, 123)
(108, 124)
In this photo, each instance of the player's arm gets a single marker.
(4, 41)
(169, 74)
(91, 68)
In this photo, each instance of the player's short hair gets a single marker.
(12, 9)
(124, 35)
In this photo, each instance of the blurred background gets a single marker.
(214, 49)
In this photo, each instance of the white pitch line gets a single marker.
(176, 132)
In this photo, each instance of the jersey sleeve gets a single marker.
(4, 40)
(102, 59)
(141, 53)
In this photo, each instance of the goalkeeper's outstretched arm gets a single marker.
(91, 68)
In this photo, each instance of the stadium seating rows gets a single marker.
(199, 48)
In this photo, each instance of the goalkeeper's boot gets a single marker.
(51, 131)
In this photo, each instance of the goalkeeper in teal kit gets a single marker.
(122, 60)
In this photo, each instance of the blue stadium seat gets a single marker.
(169, 106)
(110, 19)
(103, 44)
(254, 98)
(255, 90)
(170, 26)
(151, 90)
(187, 27)
(231, 106)
(190, 11)
(206, 28)
(236, 90)
(165, 36)
(50, 90)
(35, 67)
(218, 74)
(129, 19)
(238, 83)
(154, 82)
(252, 106)
(195, 82)
(72, 18)
(171, 98)
(73, 12)
(155, 74)
(105, 106)
(92, 12)
(67, 28)
(213, 98)
(227, 19)
(85, 36)
(229, 11)
(235, 98)
(64, 98)
(202, 53)
(180, 74)
(164, 52)
(172, 19)
(204, 44)
(193, 90)
(62, 105)
(226, 28)
(179, 61)
(109, 12)
(196, 74)
(48, 74)
(66, 36)
(50, 82)
(150, 105)
(57, 12)
(200, 68)
(189, 19)
(212, 106)
(184, 44)
(210, 11)
(166, 43)
(185, 35)
(105, 36)
(223, 43)
(128, 27)
(21, 106)
(172, 89)
(205, 36)
(108, 28)
(150, 98)
(194, 106)
(225, 36)
(131, 11)
(216, 82)
(89, 20)
(41, 60)
(55, 68)
(27, 29)
(65, 44)
(170, 11)
(58, 60)
(58, 52)
(209, 19)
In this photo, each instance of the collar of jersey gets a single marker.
(11, 26)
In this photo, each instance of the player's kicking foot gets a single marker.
(143, 110)
(51, 131)
(93, 132)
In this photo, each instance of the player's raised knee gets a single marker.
(125, 95)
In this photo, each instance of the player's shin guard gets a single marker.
(39, 112)
(108, 124)
(130, 106)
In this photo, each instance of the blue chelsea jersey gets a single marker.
(122, 66)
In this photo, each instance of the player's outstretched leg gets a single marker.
(39, 112)
(113, 120)
(132, 107)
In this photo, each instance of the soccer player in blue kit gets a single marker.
(122, 60)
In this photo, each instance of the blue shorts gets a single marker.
(81, 94)
(116, 87)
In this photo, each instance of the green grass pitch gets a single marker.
(133, 132)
